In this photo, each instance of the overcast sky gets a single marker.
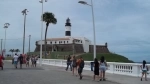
(123, 24)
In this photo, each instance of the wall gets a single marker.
(62, 48)
(99, 49)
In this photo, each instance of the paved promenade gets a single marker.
(57, 75)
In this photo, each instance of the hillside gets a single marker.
(110, 57)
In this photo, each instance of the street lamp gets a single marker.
(24, 12)
(41, 1)
(91, 5)
(29, 43)
(1, 45)
(6, 25)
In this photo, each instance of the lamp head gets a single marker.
(83, 2)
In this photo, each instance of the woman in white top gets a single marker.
(144, 68)
(102, 67)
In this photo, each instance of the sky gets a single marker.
(123, 24)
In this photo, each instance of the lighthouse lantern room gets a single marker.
(68, 28)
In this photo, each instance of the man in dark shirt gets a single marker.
(69, 63)
(21, 60)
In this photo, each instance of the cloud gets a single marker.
(123, 24)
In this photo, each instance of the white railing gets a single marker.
(130, 69)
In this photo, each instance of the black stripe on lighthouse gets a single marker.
(68, 33)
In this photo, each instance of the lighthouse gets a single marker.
(68, 28)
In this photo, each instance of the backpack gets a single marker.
(82, 64)
(74, 63)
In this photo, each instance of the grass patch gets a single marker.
(110, 57)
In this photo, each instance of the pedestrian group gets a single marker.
(20, 59)
(100, 67)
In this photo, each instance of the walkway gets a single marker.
(56, 75)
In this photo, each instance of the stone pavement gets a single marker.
(42, 75)
(110, 78)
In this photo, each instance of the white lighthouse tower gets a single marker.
(68, 28)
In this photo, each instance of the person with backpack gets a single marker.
(74, 65)
(81, 66)
(144, 68)
(69, 63)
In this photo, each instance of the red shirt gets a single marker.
(1, 58)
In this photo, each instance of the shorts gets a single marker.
(144, 71)
(80, 70)
(34, 62)
(15, 62)
(102, 68)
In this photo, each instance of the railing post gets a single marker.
(49, 61)
(112, 66)
(61, 62)
(135, 70)
(54, 62)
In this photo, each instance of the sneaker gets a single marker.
(80, 77)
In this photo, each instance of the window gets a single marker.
(51, 42)
(81, 41)
(67, 41)
(64, 41)
(55, 42)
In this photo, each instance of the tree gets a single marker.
(48, 18)
(17, 50)
(12, 50)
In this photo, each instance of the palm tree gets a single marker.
(17, 50)
(12, 50)
(48, 18)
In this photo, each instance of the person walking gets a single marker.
(27, 61)
(144, 69)
(21, 60)
(32, 61)
(15, 59)
(1, 61)
(74, 65)
(103, 66)
(35, 60)
(81, 66)
(96, 68)
(69, 63)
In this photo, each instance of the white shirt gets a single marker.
(15, 58)
(145, 68)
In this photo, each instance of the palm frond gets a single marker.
(49, 17)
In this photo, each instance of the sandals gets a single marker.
(103, 79)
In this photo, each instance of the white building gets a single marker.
(68, 39)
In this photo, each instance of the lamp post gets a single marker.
(29, 43)
(6, 25)
(91, 5)
(1, 45)
(73, 48)
(24, 12)
(41, 1)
